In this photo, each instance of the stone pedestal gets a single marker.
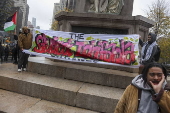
(95, 23)
(81, 6)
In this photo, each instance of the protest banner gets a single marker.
(79, 47)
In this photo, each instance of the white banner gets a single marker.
(79, 47)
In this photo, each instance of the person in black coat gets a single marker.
(1, 52)
(6, 51)
(14, 54)
(15, 50)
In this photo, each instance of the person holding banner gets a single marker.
(148, 92)
(24, 42)
(150, 51)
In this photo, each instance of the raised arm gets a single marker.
(141, 42)
(162, 96)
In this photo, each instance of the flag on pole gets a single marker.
(11, 22)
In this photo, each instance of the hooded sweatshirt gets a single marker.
(146, 105)
(149, 49)
(25, 39)
(153, 38)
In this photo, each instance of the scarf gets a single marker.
(148, 52)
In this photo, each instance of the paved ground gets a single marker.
(16, 103)
(11, 102)
(9, 60)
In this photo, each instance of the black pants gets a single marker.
(15, 55)
(23, 60)
(6, 57)
(1, 57)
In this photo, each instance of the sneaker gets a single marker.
(19, 70)
(24, 69)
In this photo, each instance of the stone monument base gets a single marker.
(95, 23)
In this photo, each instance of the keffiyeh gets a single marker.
(148, 52)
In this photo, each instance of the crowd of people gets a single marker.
(148, 91)
(23, 42)
(6, 51)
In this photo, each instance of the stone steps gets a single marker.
(88, 96)
(94, 75)
(87, 88)
(132, 69)
(25, 104)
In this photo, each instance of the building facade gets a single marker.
(34, 22)
(19, 18)
(58, 7)
(30, 26)
(27, 13)
(25, 8)
(38, 27)
(55, 10)
(5, 11)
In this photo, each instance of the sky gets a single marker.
(42, 10)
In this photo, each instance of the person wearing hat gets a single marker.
(24, 42)
(148, 92)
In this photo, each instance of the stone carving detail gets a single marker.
(70, 4)
(106, 6)
(97, 6)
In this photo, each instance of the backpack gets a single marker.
(157, 54)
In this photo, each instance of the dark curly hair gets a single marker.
(150, 65)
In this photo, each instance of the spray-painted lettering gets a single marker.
(103, 50)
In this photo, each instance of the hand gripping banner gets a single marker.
(91, 48)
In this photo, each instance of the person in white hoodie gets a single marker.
(148, 92)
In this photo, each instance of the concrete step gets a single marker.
(132, 69)
(16, 103)
(95, 75)
(68, 92)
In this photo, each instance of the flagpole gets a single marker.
(16, 22)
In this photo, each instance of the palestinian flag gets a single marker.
(11, 22)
